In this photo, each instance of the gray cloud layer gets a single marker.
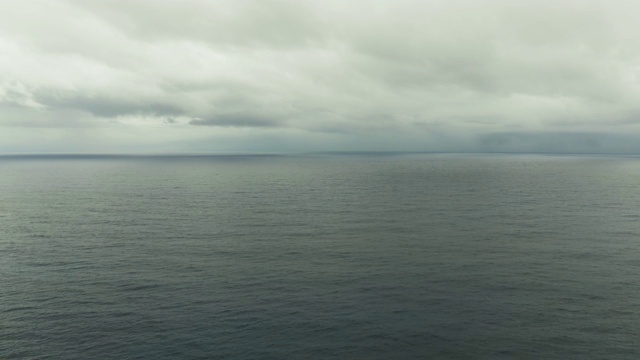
(434, 75)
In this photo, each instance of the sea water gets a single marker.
(361, 256)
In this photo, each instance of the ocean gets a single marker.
(325, 256)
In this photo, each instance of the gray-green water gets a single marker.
(299, 257)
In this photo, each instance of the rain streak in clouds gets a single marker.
(270, 75)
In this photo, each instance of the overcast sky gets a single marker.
(114, 76)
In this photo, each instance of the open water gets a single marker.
(365, 256)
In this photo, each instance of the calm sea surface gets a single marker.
(317, 257)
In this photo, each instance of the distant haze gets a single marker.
(269, 75)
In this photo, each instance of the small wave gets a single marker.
(18, 308)
(136, 287)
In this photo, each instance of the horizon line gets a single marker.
(296, 153)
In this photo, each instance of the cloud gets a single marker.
(18, 95)
(360, 75)
(236, 120)
(558, 142)
(110, 107)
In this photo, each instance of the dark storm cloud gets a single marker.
(558, 142)
(236, 120)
